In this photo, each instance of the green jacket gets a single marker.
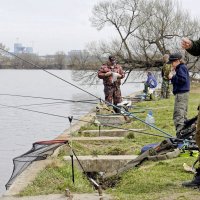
(195, 49)
(166, 69)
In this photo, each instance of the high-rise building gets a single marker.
(18, 48)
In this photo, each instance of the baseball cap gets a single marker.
(111, 58)
(174, 57)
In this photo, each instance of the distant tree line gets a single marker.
(76, 61)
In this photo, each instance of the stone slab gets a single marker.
(102, 163)
(95, 138)
(111, 119)
(103, 132)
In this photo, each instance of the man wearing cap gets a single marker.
(193, 47)
(112, 73)
(181, 86)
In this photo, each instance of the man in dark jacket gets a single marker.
(112, 73)
(181, 87)
(193, 47)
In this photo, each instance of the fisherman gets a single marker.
(112, 73)
(193, 47)
(166, 69)
(181, 86)
(150, 85)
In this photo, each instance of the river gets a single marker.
(19, 128)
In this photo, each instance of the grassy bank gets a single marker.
(152, 180)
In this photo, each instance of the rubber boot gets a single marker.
(195, 182)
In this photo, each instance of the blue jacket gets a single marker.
(181, 80)
(151, 81)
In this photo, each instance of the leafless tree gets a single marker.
(146, 30)
(20, 64)
(80, 59)
(60, 59)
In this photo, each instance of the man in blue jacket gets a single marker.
(181, 86)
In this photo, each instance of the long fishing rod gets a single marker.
(125, 113)
(111, 126)
(67, 117)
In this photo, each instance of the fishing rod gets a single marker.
(67, 117)
(125, 113)
(173, 139)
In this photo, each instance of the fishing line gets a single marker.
(48, 98)
(66, 117)
(124, 112)
(45, 113)
(37, 104)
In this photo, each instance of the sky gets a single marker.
(50, 26)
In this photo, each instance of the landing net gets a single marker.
(40, 151)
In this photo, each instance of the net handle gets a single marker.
(51, 142)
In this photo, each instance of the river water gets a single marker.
(19, 129)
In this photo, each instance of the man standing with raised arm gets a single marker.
(193, 47)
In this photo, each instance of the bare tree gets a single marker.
(79, 59)
(20, 64)
(146, 30)
(60, 59)
(4, 58)
(124, 16)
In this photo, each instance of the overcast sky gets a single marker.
(55, 25)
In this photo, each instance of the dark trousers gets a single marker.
(113, 95)
(180, 110)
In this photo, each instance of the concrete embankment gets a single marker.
(28, 175)
(31, 172)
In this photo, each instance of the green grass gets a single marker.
(55, 178)
(152, 180)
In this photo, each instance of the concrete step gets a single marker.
(111, 119)
(111, 132)
(102, 163)
(95, 138)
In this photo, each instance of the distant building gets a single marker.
(29, 49)
(18, 48)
